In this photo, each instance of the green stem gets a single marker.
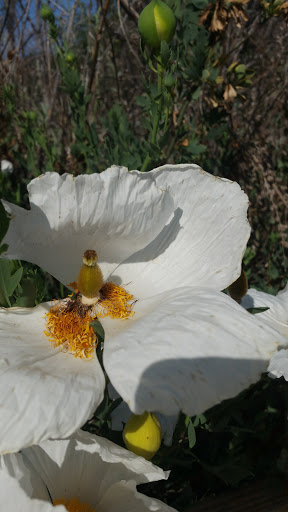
(145, 164)
(160, 102)
(179, 123)
(160, 70)
(166, 120)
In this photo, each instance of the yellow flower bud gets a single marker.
(156, 23)
(142, 434)
(90, 277)
(239, 288)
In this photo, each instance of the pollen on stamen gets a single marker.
(115, 302)
(74, 505)
(68, 326)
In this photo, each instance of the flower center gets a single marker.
(115, 302)
(74, 505)
(68, 321)
(68, 326)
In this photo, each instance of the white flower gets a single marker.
(6, 167)
(277, 317)
(85, 469)
(173, 237)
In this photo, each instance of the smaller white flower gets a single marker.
(84, 473)
(6, 167)
(277, 318)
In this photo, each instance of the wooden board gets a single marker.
(260, 496)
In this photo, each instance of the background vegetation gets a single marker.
(77, 94)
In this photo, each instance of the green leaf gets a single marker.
(241, 69)
(164, 139)
(165, 53)
(8, 282)
(191, 435)
(106, 408)
(98, 329)
(196, 94)
(255, 311)
(27, 294)
(205, 74)
(200, 419)
(195, 148)
(151, 66)
(200, 4)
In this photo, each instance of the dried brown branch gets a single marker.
(96, 46)
(132, 13)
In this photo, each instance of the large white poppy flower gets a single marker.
(277, 317)
(173, 237)
(84, 473)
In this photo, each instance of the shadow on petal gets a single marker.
(194, 385)
(162, 241)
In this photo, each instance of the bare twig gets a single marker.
(26, 13)
(96, 46)
(64, 11)
(125, 35)
(113, 60)
(130, 10)
(71, 21)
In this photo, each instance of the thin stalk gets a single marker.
(180, 119)
(166, 120)
(160, 70)
(160, 102)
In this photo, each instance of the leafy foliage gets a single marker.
(77, 95)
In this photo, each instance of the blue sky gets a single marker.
(27, 19)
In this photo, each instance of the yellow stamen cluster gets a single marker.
(68, 322)
(68, 326)
(114, 302)
(74, 505)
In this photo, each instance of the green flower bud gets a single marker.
(70, 57)
(47, 14)
(169, 81)
(156, 23)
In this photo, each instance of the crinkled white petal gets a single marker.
(115, 213)
(278, 366)
(14, 499)
(124, 497)
(120, 416)
(21, 488)
(186, 349)
(15, 465)
(168, 425)
(202, 243)
(88, 466)
(277, 314)
(45, 393)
